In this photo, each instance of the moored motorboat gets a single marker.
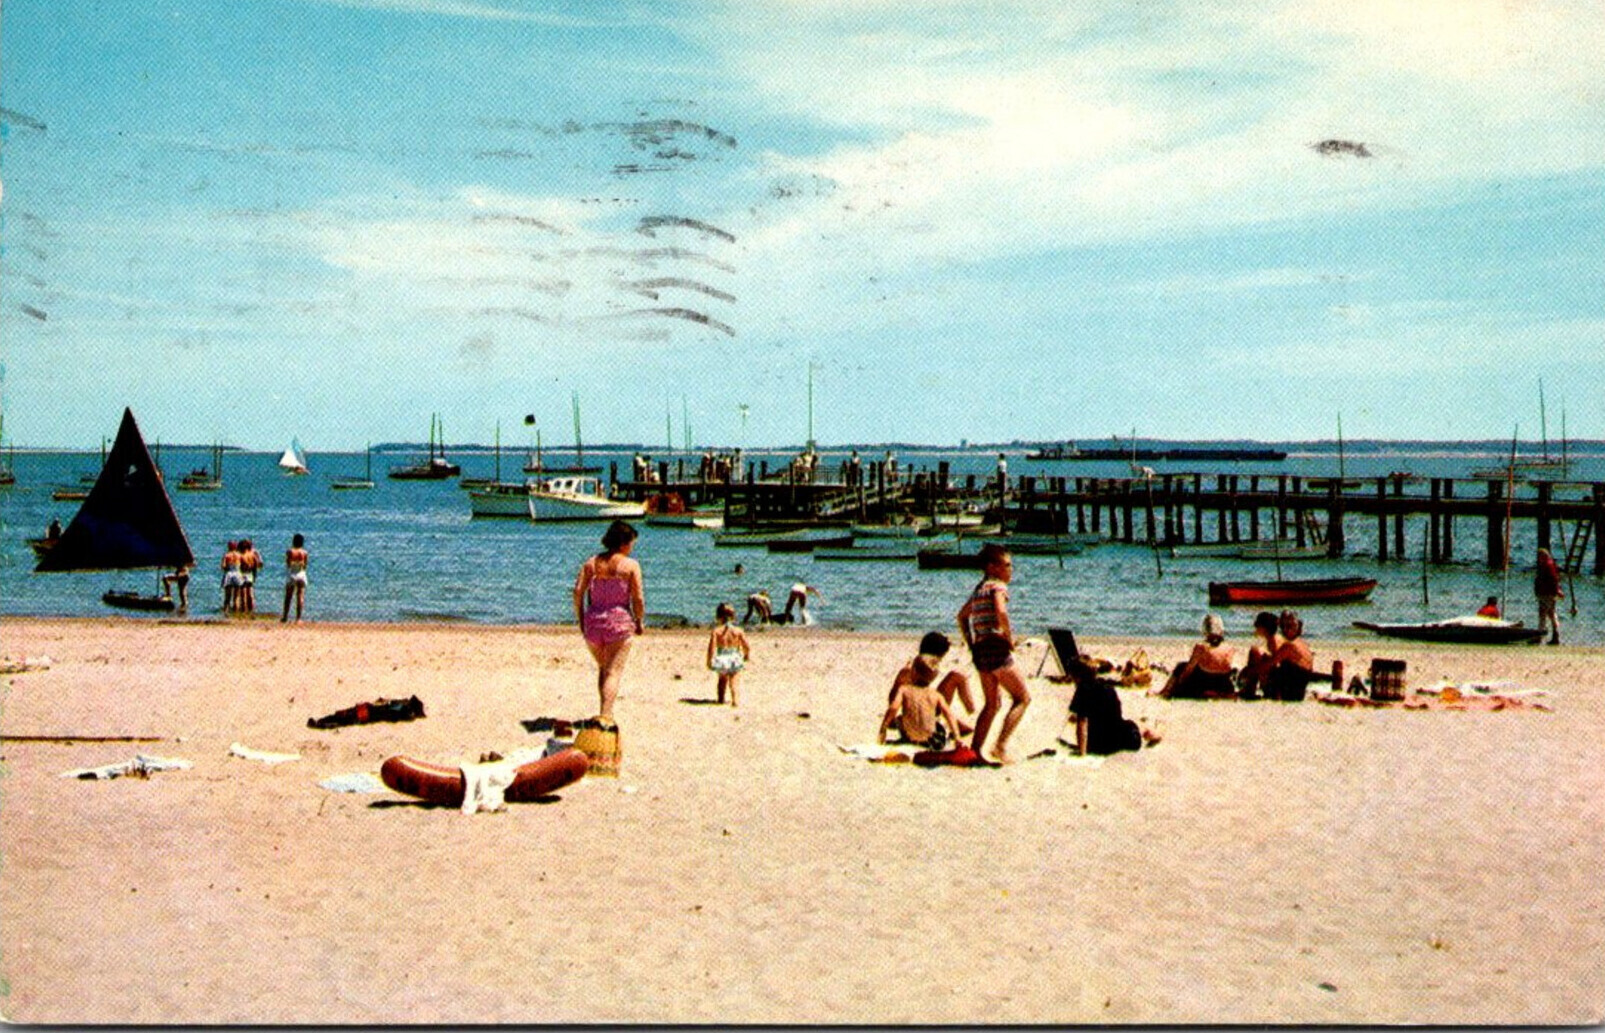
(501, 500)
(809, 542)
(1486, 631)
(1305, 591)
(698, 519)
(883, 550)
(578, 498)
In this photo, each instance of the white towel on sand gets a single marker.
(485, 785)
(142, 764)
(237, 750)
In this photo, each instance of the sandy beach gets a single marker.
(1267, 863)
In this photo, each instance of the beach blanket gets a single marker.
(354, 782)
(1445, 695)
(378, 710)
(246, 753)
(140, 766)
(485, 783)
(908, 753)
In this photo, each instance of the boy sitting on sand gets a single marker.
(921, 711)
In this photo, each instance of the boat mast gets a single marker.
(579, 449)
(1543, 419)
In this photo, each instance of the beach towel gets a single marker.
(141, 766)
(882, 753)
(246, 753)
(354, 782)
(365, 713)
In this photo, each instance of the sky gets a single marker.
(329, 219)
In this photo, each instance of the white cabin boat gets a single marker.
(578, 498)
(502, 500)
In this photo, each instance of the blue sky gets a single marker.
(330, 218)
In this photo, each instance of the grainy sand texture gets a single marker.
(1267, 863)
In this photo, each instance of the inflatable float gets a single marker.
(438, 783)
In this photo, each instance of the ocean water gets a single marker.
(408, 551)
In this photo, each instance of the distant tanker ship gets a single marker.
(1068, 451)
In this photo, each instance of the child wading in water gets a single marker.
(727, 651)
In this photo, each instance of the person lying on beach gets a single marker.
(1291, 664)
(919, 711)
(1101, 728)
(728, 651)
(1251, 679)
(1207, 674)
(933, 647)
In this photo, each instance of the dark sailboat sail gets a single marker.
(128, 521)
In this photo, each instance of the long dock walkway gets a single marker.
(1178, 508)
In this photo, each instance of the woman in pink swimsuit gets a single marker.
(610, 604)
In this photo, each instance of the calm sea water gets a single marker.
(409, 551)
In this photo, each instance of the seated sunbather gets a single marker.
(920, 710)
(1251, 679)
(1101, 728)
(1291, 664)
(934, 647)
(1207, 673)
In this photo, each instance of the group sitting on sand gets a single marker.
(1279, 664)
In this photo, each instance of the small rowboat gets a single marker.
(808, 543)
(1485, 631)
(1304, 592)
(894, 551)
(948, 559)
(136, 601)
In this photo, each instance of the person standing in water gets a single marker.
(295, 577)
(1546, 587)
(984, 624)
(610, 605)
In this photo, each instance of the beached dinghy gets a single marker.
(1301, 592)
(1484, 631)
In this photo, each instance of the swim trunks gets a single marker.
(728, 661)
(992, 653)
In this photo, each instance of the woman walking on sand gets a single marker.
(295, 577)
(984, 624)
(610, 604)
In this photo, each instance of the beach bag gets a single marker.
(602, 746)
(1137, 670)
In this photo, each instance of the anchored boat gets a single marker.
(578, 498)
(1484, 631)
(1302, 592)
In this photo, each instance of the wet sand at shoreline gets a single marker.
(1266, 863)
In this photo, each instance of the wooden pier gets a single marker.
(1180, 508)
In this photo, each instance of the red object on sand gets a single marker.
(438, 783)
(958, 756)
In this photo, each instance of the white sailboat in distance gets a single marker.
(294, 460)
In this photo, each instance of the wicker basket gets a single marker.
(603, 747)
(1387, 679)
